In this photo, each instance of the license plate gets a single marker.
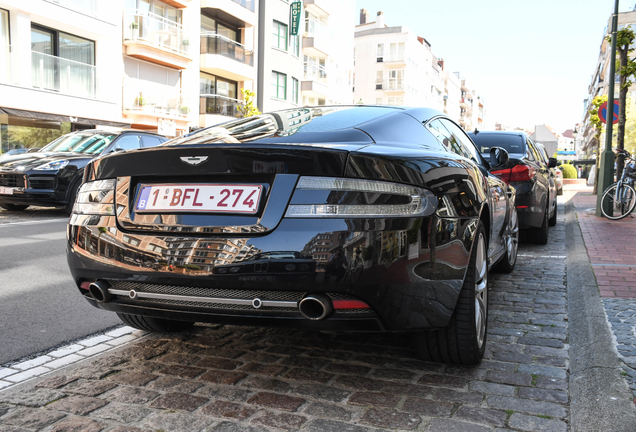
(217, 198)
(6, 190)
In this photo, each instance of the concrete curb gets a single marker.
(599, 396)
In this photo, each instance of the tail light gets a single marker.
(96, 198)
(326, 197)
(517, 173)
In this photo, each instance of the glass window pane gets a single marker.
(42, 41)
(127, 142)
(208, 24)
(76, 49)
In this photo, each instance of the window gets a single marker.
(127, 142)
(280, 35)
(4, 46)
(461, 144)
(156, 7)
(150, 141)
(396, 79)
(396, 51)
(379, 78)
(295, 90)
(62, 62)
(279, 81)
(380, 53)
(295, 41)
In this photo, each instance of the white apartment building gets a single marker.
(60, 65)
(314, 67)
(394, 66)
(159, 64)
(453, 94)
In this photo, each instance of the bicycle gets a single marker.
(619, 199)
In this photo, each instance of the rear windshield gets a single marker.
(512, 143)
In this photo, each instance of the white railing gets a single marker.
(315, 72)
(396, 84)
(155, 99)
(62, 75)
(317, 29)
(96, 8)
(155, 30)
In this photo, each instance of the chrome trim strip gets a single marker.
(243, 302)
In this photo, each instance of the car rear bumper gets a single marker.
(405, 286)
(529, 208)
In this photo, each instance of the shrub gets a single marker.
(568, 171)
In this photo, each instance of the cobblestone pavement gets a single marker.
(611, 247)
(225, 378)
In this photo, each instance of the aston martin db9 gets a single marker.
(359, 218)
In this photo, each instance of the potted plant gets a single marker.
(184, 110)
(140, 102)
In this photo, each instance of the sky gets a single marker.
(531, 60)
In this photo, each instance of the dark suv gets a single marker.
(52, 176)
(529, 172)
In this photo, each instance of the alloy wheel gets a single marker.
(512, 237)
(481, 290)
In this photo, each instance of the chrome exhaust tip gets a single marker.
(315, 307)
(99, 291)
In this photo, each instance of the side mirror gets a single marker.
(552, 163)
(498, 157)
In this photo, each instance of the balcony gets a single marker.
(395, 85)
(143, 98)
(316, 40)
(237, 12)
(219, 105)
(315, 72)
(317, 7)
(153, 38)
(314, 89)
(226, 58)
(395, 60)
(63, 76)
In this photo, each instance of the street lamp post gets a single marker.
(606, 165)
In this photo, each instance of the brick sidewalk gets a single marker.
(611, 246)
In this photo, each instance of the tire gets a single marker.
(553, 219)
(154, 324)
(14, 207)
(540, 235)
(511, 238)
(613, 209)
(72, 197)
(463, 341)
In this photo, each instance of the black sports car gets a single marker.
(328, 218)
(52, 176)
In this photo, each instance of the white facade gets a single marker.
(452, 85)
(58, 59)
(392, 66)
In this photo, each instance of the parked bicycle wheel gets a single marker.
(616, 204)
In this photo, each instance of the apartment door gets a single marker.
(396, 78)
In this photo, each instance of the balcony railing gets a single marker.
(315, 72)
(155, 99)
(62, 75)
(390, 84)
(317, 29)
(220, 105)
(155, 30)
(96, 8)
(248, 4)
(212, 43)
